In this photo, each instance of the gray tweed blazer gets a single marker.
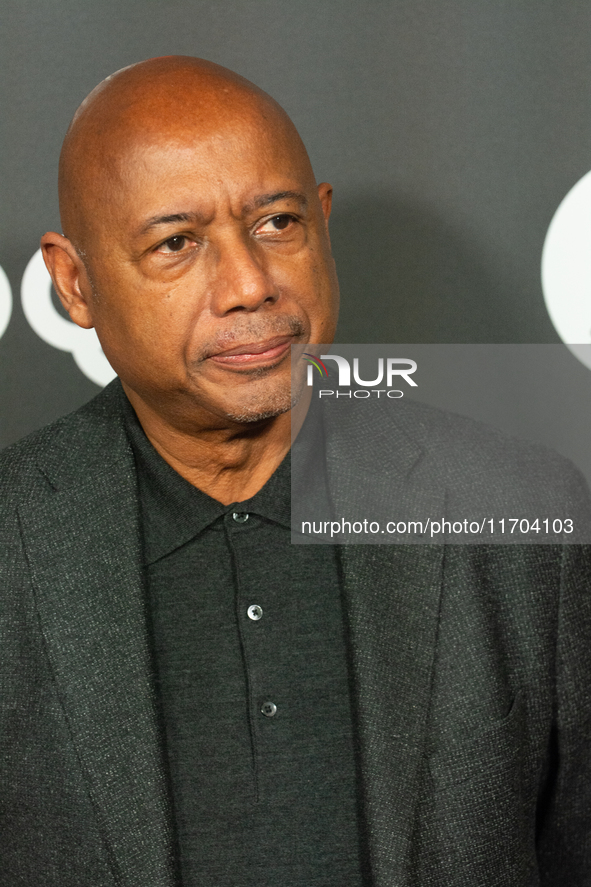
(471, 665)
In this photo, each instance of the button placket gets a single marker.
(255, 640)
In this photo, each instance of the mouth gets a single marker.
(254, 354)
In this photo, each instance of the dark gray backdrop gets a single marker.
(450, 131)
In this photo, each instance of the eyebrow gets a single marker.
(267, 199)
(167, 220)
(258, 203)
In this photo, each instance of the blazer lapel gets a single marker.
(392, 594)
(392, 603)
(82, 540)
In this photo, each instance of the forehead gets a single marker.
(236, 160)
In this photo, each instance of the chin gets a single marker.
(254, 416)
(258, 412)
(265, 405)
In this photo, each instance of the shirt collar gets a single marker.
(173, 511)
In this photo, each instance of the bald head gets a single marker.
(178, 99)
(195, 241)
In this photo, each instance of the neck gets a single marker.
(229, 464)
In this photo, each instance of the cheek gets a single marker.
(303, 277)
(132, 333)
(129, 308)
(144, 327)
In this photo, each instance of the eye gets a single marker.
(276, 223)
(281, 222)
(174, 244)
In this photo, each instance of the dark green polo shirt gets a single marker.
(251, 662)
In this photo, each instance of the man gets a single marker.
(186, 697)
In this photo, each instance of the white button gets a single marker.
(240, 517)
(255, 612)
(269, 709)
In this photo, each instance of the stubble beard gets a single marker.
(267, 405)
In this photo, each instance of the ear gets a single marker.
(325, 197)
(69, 276)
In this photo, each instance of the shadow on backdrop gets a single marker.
(407, 276)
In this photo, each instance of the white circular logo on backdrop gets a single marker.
(5, 302)
(566, 270)
(55, 329)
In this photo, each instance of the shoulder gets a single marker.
(78, 438)
(474, 443)
(427, 460)
(473, 458)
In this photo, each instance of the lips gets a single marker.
(254, 353)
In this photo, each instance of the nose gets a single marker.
(242, 281)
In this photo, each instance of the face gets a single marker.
(206, 260)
